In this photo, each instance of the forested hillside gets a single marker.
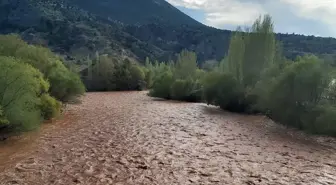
(150, 28)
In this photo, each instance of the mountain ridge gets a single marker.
(138, 29)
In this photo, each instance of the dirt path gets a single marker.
(128, 138)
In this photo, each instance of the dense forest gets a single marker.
(156, 30)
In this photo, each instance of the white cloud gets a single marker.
(221, 12)
(322, 10)
(300, 15)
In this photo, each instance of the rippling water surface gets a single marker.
(129, 138)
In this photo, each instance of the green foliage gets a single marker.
(27, 75)
(50, 107)
(224, 90)
(3, 120)
(235, 56)
(255, 77)
(100, 75)
(186, 90)
(65, 85)
(20, 88)
(186, 65)
(148, 78)
(162, 85)
(259, 50)
(10, 44)
(137, 77)
(179, 81)
(325, 122)
(299, 88)
(258, 96)
(111, 74)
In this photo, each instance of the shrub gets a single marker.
(224, 91)
(297, 91)
(3, 120)
(180, 89)
(50, 107)
(161, 86)
(65, 85)
(10, 44)
(137, 78)
(148, 78)
(20, 88)
(325, 122)
(186, 90)
(258, 96)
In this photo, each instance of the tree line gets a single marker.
(254, 77)
(107, 73)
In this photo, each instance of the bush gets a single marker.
(180, 89)
(224, 91)
(10, 44)
(186, 90)
(296, 91)
(25, 73)
(3, 120)
(258, 96)
(137, 78)
(148, 78)
(161, 86)
(65, 85)
(325, 122)
(20, 88)
(50, 107)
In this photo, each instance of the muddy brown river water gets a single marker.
(129, 138)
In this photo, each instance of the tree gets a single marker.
(260, 49)
(235, 56)
(186, 65)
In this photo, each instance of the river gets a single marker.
(129, 138)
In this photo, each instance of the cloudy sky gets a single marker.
(309, 17)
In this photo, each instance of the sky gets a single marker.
(308, 17)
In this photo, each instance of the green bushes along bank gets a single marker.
(33, 84)
(255, 77)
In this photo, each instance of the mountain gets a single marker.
(136, 12)
(135, 28)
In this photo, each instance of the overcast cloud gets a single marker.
(311, 17)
